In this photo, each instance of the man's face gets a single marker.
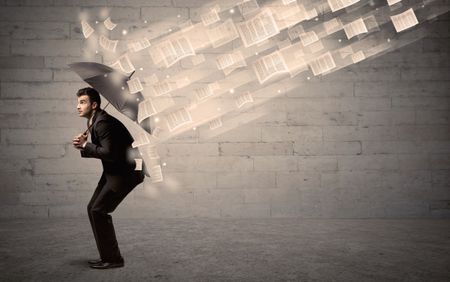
(85, 107)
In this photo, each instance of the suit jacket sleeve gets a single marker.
(104, 151)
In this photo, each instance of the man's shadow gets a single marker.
(79, 262)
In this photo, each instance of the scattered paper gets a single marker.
(248, 6)
(156, 132)
(87, 29)
(211, 17)
(269, 66)
(404, 20)
(355, 28)
(139, 45)
(178, 118)
(345, 51)
(227, 60)
(150, 151)
(393, 2)
(108, 44)
(152, 79)
(145, 109)
(294, 32)
(287, 2)
(243, 99)
(135, 85)
(163, 87)
(124, 64)
(257, 29)
(156, 174)
(308, 38)
(173, 50)
(215, 123)
(336, 5)
(141, 140)
(322, 64)
(332, 26)
(138, 164)
(222, 34)
(109, 24)
(358, 57)
(206, 91)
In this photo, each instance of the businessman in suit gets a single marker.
(111, 143)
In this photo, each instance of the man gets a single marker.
(111, 143)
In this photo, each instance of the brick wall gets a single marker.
(371, 140)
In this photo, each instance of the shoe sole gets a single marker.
(108, 267)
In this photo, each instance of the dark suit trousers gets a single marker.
(110, 192)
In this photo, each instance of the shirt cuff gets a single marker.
(84, 144)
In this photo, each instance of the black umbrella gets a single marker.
(112, 85)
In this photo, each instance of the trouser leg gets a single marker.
(100, 185)
(111, 195)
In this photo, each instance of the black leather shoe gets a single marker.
(94, 261)
(107, 265)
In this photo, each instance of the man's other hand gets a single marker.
(79, 140)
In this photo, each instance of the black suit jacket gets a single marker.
(111, 143)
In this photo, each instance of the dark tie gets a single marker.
(89, 126)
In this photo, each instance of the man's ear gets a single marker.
(94, 105)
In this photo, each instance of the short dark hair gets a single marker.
(91, 93)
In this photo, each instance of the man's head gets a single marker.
(88, 101)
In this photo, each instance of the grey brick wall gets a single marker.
(371, 140)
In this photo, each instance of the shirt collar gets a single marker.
(91, 119)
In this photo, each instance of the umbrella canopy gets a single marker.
(112, 85)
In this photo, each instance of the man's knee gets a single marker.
(100, 211)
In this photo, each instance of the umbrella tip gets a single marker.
(71, 65)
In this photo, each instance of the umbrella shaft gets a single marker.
(87, 130)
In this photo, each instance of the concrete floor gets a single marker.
(231, 250)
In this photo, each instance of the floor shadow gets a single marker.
(81, 262)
